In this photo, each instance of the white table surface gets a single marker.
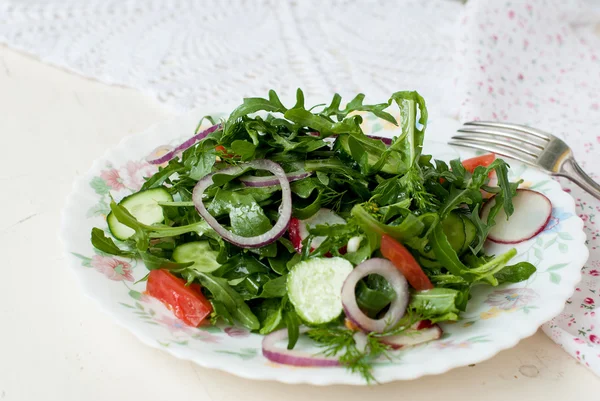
(55, 343)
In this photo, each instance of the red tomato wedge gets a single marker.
(484, 160)
(187, 303)
(405, 262)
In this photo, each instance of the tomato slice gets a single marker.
(405, 262)
(484, 160)
(187, 303)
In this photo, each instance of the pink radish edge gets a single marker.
(523, 238)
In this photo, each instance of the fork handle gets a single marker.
(571, 170)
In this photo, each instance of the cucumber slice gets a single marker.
(199, 252)
(454, 228)
(144, 207)
(470, 233)
(315, 288)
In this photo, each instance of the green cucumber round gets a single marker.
(199, 252)
(144, 207)
(315, 288)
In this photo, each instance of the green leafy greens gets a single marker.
(429, 206)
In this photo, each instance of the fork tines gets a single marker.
(517, 141)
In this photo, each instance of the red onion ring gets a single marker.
(170, 155)
(412, 337)
(285, 211)
(386, 141)
(398, 306)
(290, 356)
(251, 181)
(361, 340)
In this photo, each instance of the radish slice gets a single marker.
(298, 231)
(411, 337)
(290, 356)
(397, 308)
(532, 213)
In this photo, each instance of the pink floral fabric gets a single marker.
(537, 62)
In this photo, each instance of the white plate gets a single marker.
(496, 319)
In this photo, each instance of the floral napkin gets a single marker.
(538, 63)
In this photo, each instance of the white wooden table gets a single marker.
(56, 344)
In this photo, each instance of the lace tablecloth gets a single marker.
(526, 61)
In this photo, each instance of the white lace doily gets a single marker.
(192, 53)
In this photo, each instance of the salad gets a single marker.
(294, 222)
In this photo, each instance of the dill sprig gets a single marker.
(340, 342)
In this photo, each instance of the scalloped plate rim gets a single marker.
(516, 335)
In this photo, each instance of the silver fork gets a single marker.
(528, 145)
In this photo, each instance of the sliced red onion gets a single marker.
(285, 211)
(412, 337)
(354, 244)
(293, 357)
(387, 141)
(397, 308)
(251, 181)
(360, 339)
(170, 155)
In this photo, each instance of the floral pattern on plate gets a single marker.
(479, 335)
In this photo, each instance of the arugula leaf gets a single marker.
(199, 161)
(324, 126)
(273, 321)
(105, 244)
(412, 136)
(255, 104)
(515, 273)
(163, 175)
(269, 313)
(240, 266)
(244, 149)
(219, 312)
(445, 254)
(437, 305)
(356, 104)
(483, 228)
(247, 218)
(154, 262)
(487, 270)
(231, 300)
(374, 294)
(410, 226)
(275, 288)
(292, 322)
